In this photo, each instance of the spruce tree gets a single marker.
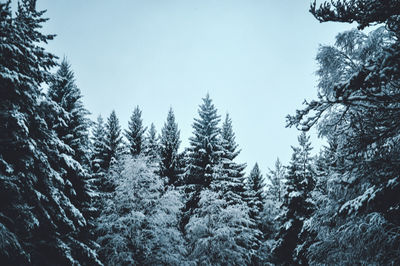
(204, 153)
(135, 132)
(255, 199)
(276, 182)
(169, 145)
(255, 192)
(113, 140)
(71, 126)
(297, 202)
(39, 223)
(99, 148)
(231, 176)
(73, 123)
(152, 147)
(203, 157)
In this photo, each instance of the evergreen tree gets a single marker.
(113, 140)
(39, 223)
(152, 147)
(297, 202)
(358, 101)
(100, 148)
(255, 193)
(218, 233)
(203, 156)
(255, 199)
(169, 145)
(231, 176)
(205, 149)
(73, 124)
(139, 222)
(276, 182)
(135, 132)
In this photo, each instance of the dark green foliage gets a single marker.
(205, 149)
(203, 157)
(38, 222)
(169, 145)
(113, 140)
(255, 193)
(231, 176)
(99, 147)
(359, 102)
(135, 132)
(297, 203)
(152, 147)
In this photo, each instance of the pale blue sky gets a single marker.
(255, 58)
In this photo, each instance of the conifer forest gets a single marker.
(107, 192)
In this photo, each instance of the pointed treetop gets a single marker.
(135, 132)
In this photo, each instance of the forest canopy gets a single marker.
(80, 192)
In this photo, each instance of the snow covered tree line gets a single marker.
(76, 192)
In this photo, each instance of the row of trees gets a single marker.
(117, 198)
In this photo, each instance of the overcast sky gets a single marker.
(255, 58)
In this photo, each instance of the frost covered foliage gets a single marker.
(231, 174)
(297, 204)
(205, 147)
(217, 232)
(138, 225)
(135, 132)
(39, 223)
(357, 111)
(169, 145)
(151, 145)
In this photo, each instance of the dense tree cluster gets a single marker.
(77, 192)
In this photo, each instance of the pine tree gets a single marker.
(276, 182)
(99, 146)
(231, 177)
(255, 191)
(113, 140)
(297, 202)
(205, 146)
(73, 124)
(255, 199)
(203, 157)
(169, 145)
(135, 132)
(152, 147)
(39, 224)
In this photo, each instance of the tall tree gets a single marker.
(231, 176)
(205, 146)
(359, 101)
(113, 139)
(73, 123)
(255, 199)
(152, 147)
(135, 132)
(255, 191)
(276, 179)
(169, 145)
(39, 224)
(71, 126)
(99, 147)
(203, 156)
(297, 203)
